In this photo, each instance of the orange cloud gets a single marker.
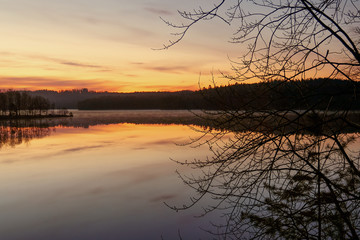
(53, 83)
(69, 62)
(169, 88)
(35, 83)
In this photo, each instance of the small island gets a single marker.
(20, 105)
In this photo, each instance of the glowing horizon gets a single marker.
(105, 46)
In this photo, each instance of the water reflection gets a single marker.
(101, 182)
(15, 132)
(95, 176)
(288, 179)
(15, 135)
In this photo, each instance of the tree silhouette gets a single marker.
(289, 172)
(17, 104)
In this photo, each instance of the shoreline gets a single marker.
(18, 117)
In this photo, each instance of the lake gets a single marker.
(111, 174)
(93, 178)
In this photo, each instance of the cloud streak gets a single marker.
(168, 68)
(35, 83)
(69, 62)
(161, 12)
(170, 87)
(74, 64)
(163, 198)
(59, 61)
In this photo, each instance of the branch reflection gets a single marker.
(289, 176)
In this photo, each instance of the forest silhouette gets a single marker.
(294, 174)
(20, 104)
(270, 95)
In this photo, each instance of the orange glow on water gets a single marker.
(102, 175)
(118, 146)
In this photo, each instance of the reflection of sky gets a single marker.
(104, 181)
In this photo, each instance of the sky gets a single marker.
(107, 45)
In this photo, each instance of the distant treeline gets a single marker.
(14, 103)
(69, 98)
(320, 94)
(146, 100)
(316, 94)
(77, 98)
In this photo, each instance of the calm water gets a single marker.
(104, 181)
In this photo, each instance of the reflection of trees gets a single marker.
(294, 184)
(293, 173)
(17, 132)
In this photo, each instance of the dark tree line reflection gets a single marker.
(291, 167)
(17, 131)
(290, 175)
(12, 135)
(272, 174)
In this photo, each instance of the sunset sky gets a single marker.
(107, 45)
